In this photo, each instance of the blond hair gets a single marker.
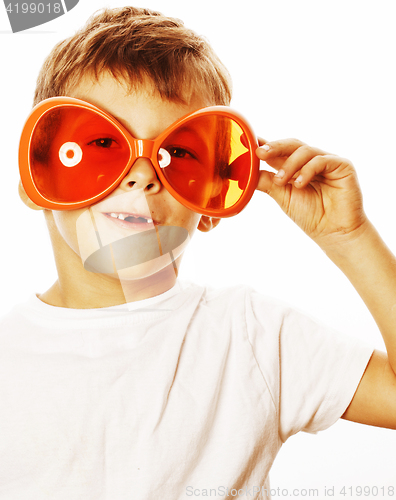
(136, 44)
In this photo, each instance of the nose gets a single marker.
(141, 175)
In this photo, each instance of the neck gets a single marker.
(105, 291)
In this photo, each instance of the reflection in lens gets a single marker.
(70, 154)
(164, 158)
(72, 136)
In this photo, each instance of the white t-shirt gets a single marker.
(189, 391)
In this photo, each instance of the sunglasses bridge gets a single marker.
(143, 148)
(140, 148)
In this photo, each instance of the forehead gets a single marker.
(142, 111)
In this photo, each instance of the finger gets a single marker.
(295, 162)
(320, 165)
(275, 163)
(261, 141)
(284, 147)
(266, 185)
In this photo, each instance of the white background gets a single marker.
(320, 71)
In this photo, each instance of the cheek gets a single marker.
(193, 223)
(184, 217)
(76, 229)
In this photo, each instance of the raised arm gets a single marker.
(320, 192)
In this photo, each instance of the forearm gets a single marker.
(371, 268)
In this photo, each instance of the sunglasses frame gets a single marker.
(138, 148)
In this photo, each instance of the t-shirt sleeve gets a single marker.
(311, 371)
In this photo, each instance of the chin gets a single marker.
(154, 269)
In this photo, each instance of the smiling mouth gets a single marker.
(131, 218)
(130, 221)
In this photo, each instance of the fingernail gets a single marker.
(298, 180)
(280, 174)
(266, 147)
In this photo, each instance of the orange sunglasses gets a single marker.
(72, 154)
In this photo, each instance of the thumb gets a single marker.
(267, 185)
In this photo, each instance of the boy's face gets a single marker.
(140, 202)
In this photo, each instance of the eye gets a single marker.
(165, 155)
(104, 142)
(177, 152)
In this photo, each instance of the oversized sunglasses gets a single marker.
(72, 154)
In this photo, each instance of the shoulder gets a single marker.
(241, 311)
(233, 302)
(237, 297)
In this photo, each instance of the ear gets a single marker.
(25, 198)
(207, 223)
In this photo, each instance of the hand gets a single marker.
(318, 191)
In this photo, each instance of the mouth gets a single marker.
(135, 222)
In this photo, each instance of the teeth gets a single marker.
(124, 216)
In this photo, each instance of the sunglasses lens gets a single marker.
(207, 161)
(75, 154)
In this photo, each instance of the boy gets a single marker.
(184, 389)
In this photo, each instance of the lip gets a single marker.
(125, 224)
